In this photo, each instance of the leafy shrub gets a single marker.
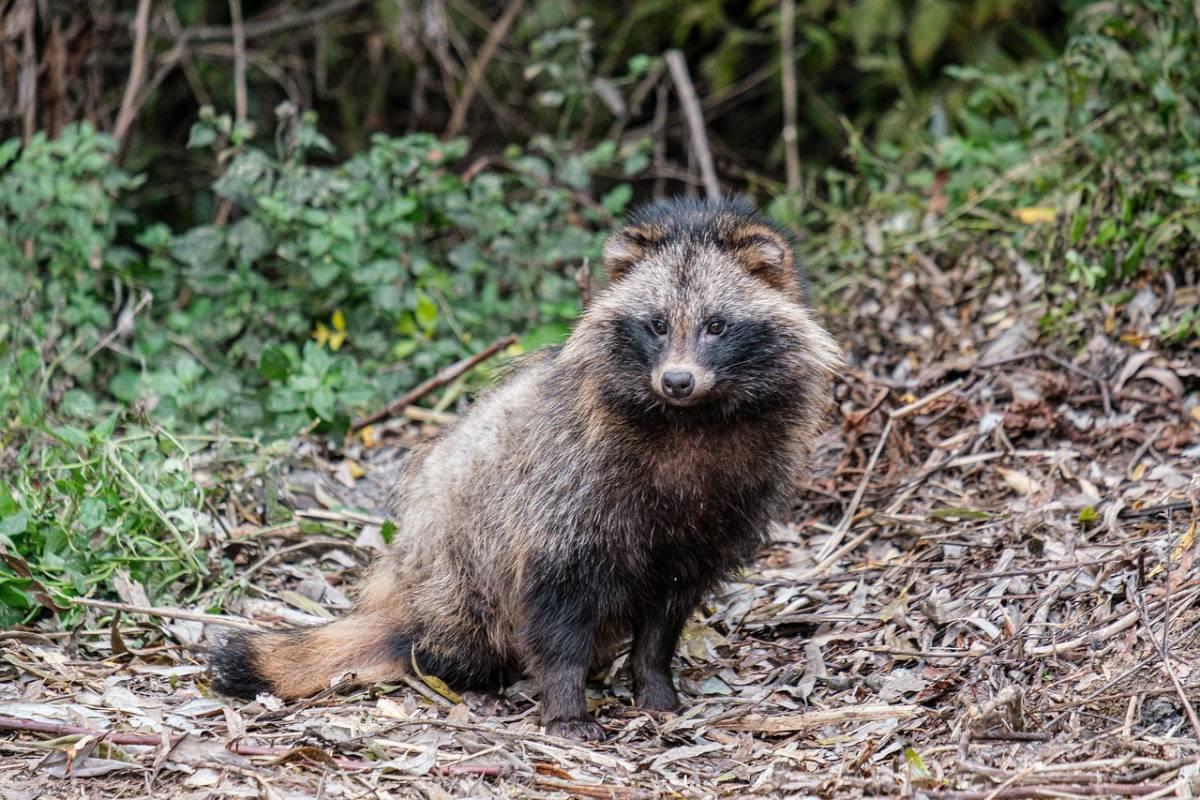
(1085, 165)
(321, 291)
(331, 288)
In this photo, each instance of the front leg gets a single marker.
(654, 640)
(556, 634)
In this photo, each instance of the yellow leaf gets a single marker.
(368, 436)
(1138, 471)
(1032, 215)
(336, 337)
(355, 470)
(434, 682)
(1185, 542)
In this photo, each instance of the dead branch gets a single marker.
(1163, 653)
(280, 754)
(239, 59)
(789, 723)
(169, 613)
(280, 24)
(827, 555)
(443, 377)
(137, 72)
(27, 87)
(787, 56)
(475, 72)
(1052, 790)
(697, 136)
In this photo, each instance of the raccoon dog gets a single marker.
(597, 493)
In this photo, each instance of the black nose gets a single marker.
(678, 384)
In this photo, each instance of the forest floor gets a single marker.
(987, 592)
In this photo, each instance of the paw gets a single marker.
(581, 730)
(656, 697)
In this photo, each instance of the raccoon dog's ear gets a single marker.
(625, 248)
(766, 255)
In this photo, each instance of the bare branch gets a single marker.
(239, 59)
(441, 379)
(137, 72)
(787, 57)
(697, 136)
(475, 72)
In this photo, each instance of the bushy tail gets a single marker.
(303, 661)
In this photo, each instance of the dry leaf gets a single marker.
(1019, 481)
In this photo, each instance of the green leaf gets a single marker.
(324, 272)
(188, 370)
(323, 402)
(12, 595)
(615, 200)
(928, 29)
(8, 150)
(201, 248)
(70, 435)
(77, 403)
(92, 512)
(249, 239)
(201, 135)
(125, 386)
(273, 364)
(427, 311)
(105, 427)
(14, 524)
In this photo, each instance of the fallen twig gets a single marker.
(164, 611)
(1052, 790)
(443, 377)
(827, 556)
(280, 754)
(789, 723)
(1164, 655)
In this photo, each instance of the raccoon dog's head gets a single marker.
(705, 317)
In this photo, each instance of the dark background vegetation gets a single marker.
(226, 223)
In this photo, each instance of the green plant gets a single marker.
(1085, 165)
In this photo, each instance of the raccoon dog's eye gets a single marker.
(716, 327)
(658, 326)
